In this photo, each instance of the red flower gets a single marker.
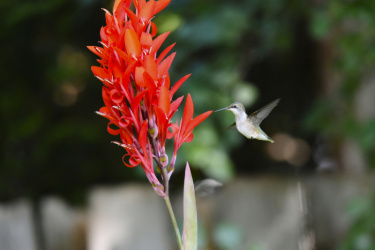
(137, 92)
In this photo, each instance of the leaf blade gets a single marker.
(190, 230)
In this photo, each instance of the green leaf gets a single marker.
(190, 231)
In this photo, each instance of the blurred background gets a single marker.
(317, 56)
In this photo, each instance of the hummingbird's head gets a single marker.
(237, 109)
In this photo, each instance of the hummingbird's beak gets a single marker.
(221, 109)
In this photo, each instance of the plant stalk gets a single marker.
(173, 218)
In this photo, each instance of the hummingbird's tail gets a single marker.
(263, 137)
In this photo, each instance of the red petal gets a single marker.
(174, 128)
(116, 96)
(164, 101)
(99, 72)
(162, 121)
(146, 40)
(178, 84)
(197, 120)
(154, 29)
(165, 65)
(136, 101)
(158, 42)
(122, 55)
(167, 83)
(135, 2)
(126, 164)
(141, 4)
(133, 47)
(134, 160)
(189, 138)
(139, 76)
(116, 4)
(124, 122)
(113, 131)
(151, 67)
(126, 138)
(133, 18)
(121, 3)
(142, 137)
(188, 113)
(164, 53)
(149, 82)
(96, 50)
(147, 11)
(161, 4)
(174, 106)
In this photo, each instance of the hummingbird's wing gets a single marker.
(258, 116)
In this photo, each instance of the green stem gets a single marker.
(173, 218)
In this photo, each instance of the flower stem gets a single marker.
(173, 218)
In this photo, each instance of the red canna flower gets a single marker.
(137, 92)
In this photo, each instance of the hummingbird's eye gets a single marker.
(235, 106)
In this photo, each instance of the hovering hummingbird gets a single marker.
(249, 125)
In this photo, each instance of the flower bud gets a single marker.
(158, 169)
(163, 160)
(170, 168)
(153, 132)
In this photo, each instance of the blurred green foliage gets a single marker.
(362, 233)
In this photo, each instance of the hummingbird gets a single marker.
(249, 126)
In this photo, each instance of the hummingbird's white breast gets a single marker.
(245, 127)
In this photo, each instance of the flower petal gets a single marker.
(165, 65)
(197, 120)
(178, 84)
(146, 40)
(164, 101)
(161, 4)
(164, 53)
(188, 113)
(132, 45)
(99, 72)
(158, 42)
(146, 11)
(174, 106)
(151, 67)
(139, 76)
(142, 137)
(113, 131)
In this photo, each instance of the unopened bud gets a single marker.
(170, 168)
(158, 169)
(159, 189)
(164, 160)
(159, 186)
(153, 132)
